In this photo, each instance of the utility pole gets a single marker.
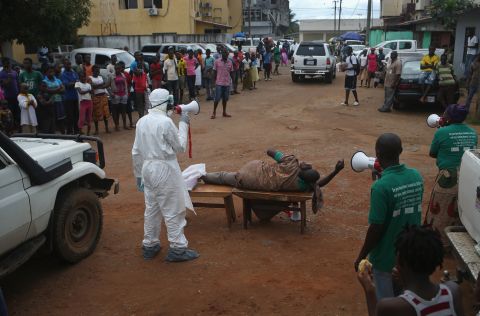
(369, 21)
(250, 18)
(339, 16)
(335, 17)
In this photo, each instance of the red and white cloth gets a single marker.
(440, 305)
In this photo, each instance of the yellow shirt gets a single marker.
(182, 67)
(434, 60)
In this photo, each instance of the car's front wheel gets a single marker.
(77, 224)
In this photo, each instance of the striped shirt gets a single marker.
(444, 73)
(440, 305)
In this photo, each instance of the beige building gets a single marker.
(324, 29)
(147, 17)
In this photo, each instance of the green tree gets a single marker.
(448, 11)
(293, 27)
(42, 22)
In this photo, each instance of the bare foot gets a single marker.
(212, 117)
(226, 115)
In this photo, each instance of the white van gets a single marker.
(101, 57)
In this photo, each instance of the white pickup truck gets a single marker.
(465, 239)
(50, 187)
(399, 45)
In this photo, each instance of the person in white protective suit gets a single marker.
(157, 141)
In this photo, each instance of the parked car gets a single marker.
(417, 53)
(162, 49)
(61, 52)
(248, 44)
(313, 60)
(409, 90)
(101, 57)
(50, 190)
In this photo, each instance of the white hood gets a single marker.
(48, 152)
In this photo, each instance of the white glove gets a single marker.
(185, 118)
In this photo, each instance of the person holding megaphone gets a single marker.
(395, 201)
(154, 155)
(448, 145)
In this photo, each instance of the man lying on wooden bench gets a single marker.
(287, 174)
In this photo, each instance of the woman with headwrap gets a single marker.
(447, 148)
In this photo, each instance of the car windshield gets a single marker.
(127, 58)
(411, 67)
(150, 49)
(256, 41)
(311, 50)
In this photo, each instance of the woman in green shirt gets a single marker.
(447, 148)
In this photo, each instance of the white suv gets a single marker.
(50, 186)
(313, 60)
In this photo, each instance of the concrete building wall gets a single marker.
(468, 20)
(392, 7)
(109, 17)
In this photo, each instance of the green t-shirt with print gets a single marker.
(450, 142)
(33, 80)
(395, 201)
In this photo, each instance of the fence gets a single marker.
(135, 42)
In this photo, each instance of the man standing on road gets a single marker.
(221, 72)
(395, 201)
(157, 141)
(392, 77)
(31, 77)
(427, 77)
(171, 74)
(208, 74)
(446, 82)
(472, 50)
(70, 99)
(351, 73)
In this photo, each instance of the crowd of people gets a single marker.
(71, 99)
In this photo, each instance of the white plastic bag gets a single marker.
(192, 174)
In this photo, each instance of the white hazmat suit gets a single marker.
(157, 141)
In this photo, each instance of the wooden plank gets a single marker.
(209, 205)
(211, 190)
(273, 196)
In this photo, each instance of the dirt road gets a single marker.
(269, 269)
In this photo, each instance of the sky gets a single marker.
(324, 9)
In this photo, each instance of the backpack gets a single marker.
(356, 67)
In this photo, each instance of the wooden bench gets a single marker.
(250, 197)
(215, 191)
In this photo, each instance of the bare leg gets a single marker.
(224, 105)
(355, 95)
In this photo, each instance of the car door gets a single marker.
(15, 216)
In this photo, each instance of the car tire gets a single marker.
(77, 224)
(328, 78)
(295, 78)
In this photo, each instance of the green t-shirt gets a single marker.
(450, 142)
(395, 201)
(302, 185)
(33, 79)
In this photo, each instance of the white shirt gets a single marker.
(27, 115)
(472, 41)
(170, 67)
(84, 87)
(97, 81)
(363, 60)
(351, 60)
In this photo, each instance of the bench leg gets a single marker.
(303, 212)
(247, 213)
(229, 210)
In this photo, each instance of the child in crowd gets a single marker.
(247, 75)
(46, 110)
(182, 73)
(156, 73)
(140, 85)
(99, 99)
(27, 104)
(84, 90)
(6, 118)
(131, 95)
(55, 88)
(120, 86)
(254, 70)
(419, 253)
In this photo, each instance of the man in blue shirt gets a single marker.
(267, 64)
(68, 78)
